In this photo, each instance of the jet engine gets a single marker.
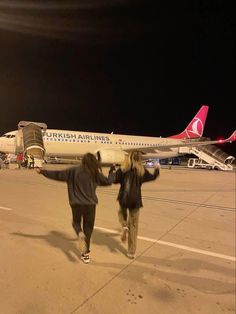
(110, 156)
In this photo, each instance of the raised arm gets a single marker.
(149, 176)
(59, 175)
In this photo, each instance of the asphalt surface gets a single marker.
(185, 258)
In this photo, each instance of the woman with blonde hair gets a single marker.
(131, 175)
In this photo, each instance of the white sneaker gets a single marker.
(130, 255)
(85, 258)
(124, 234)
(82, 242)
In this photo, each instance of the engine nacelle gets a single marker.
(111, 156)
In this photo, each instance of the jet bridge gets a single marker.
(29, 139)
(214, 156)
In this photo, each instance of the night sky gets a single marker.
(131, 67)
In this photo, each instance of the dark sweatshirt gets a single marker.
(81, 186)
(120, 177)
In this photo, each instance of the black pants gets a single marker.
(31, 165)
(87, 213)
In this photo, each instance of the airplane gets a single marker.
(111, 148)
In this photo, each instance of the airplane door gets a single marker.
(31, 135)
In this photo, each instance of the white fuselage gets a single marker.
(63, 143)
(71, 143)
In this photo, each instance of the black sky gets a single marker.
(134, 67)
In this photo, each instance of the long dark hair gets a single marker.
(91, 165)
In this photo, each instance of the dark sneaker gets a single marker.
(124, 234)
(130, 255)
(85, 258)
(82, 242)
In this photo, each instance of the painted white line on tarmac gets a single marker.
(106, 230)
(5, 208)
(191, 249)
(179, 246)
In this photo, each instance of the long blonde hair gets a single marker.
(133, 160)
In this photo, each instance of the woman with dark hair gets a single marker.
(82, 182)
(131, 175)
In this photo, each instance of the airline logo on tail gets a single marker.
(196, 126)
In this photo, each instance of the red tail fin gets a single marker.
(196, 126)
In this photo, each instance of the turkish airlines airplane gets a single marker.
(111, 148)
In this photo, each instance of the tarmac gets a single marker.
(185, 257)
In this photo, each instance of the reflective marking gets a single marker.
(188, 248)
(179, 246)
(5, 208)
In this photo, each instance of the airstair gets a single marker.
(213, 156)
(29, 140)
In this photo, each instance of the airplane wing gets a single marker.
(184, 143)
